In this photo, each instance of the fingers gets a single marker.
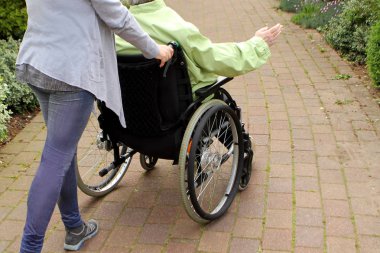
(269, 35)
(165, 53)
(273, 33)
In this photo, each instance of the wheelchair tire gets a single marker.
(93, 156)
(210, 166)
(148, 162)
(248, 163)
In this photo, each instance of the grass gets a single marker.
(343, 102)
(342, 77)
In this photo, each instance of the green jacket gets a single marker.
(205, 60)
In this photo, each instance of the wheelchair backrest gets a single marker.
(153, 97)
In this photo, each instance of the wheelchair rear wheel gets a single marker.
(95, 152)
(211, 160)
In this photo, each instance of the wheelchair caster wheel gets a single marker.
(148, 162)
(247, 171)
(247, 165)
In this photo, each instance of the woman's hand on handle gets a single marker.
(165, 53)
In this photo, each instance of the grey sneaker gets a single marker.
(76, 237)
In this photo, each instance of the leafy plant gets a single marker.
(13, 18)
(291, 5)
(4, 112)
(307, 16)
(342, 76)
(19, 97)
(373, 54)
(317, 13)
(348, 32)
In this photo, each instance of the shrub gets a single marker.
(348, 32)
(4, 113)
(317, 13)
(13, 18)
(19, 97)
(291, 5)
(307, 16)
(373, 54)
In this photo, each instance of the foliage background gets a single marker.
(13, 18)
(373, 54)
(346, 26)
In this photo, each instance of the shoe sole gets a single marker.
(80, 244)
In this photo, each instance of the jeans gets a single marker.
(66, 115)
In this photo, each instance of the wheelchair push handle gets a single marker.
(175, 46)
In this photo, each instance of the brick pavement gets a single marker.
(316, 180)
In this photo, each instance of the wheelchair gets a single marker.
(201, 132)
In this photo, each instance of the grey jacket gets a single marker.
(72, 41)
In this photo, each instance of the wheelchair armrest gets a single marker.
(211, 89)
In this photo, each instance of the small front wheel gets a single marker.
(148, 162)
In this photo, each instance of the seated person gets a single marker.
(205, 60)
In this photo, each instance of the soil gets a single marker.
(17, 123)
(362, 73)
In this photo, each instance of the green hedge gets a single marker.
(349, 31)
(4, 112)
(373, 54)
(13, 18)
(14, 96)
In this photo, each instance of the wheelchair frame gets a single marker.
(200, 156)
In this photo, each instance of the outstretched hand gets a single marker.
(165, 53)
(269, 34)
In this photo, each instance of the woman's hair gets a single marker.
(136, 2)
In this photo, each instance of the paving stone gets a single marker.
(9, 229)
(11, 198)
(309, 217)
(134, 217)
(225, 223)
(278, 219)
(369, 244)
(244, 245)
(304, 169)
(154, 234)
(185, 247)
(309, 237)
(108, 210)
(307, 184)
(146, 249)
(186, 229)
(308, 199)
(340, 227)
(248, 228)
(281, 170)
(308, 250)
(368, 225)
(270, 239)
(333, 191)
(281, 201)
(214, 242)
(123, 236)
(338, 244)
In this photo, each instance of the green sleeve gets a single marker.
(226, 59)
